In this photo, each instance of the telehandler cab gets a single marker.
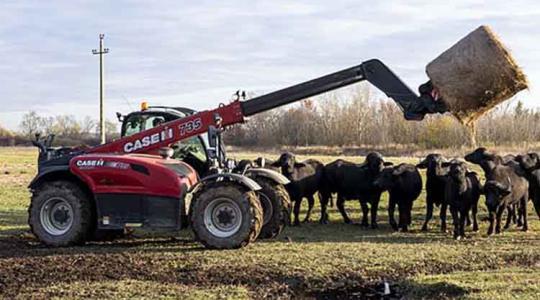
(113, 186)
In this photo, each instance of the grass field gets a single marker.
(333, 261)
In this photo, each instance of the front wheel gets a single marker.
(225, 215)
(60, 214)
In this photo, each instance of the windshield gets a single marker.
(137, 123)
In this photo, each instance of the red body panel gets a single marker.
(133, 174)
(161, 136)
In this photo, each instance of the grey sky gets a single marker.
(197, 53)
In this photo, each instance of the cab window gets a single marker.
(138, 123)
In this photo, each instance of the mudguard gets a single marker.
(270, 174)
(47, 172)
(243, 180)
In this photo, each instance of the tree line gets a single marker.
(68, 130)
(359, 118)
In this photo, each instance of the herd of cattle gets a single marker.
(510, 182)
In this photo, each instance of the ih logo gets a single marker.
(166, 134)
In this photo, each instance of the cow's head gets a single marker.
(495, 193)
(286, 162)
(529, 161)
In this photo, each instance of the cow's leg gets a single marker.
(296, 210)
(391, 209)
(311, 203)
(463, 216)
(474, 213)
(455, 220)
(524, 200)
(409, 214)
(511, 215)
(519, 215)
(498, 220)
(491, 218)
(429, 215)
(443, 217)
(324, 197)
(403, 221)
(340, 202)
(365, 213)
(374, 208)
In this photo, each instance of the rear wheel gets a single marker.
(60, 214)
(225, 215)
(276, 206)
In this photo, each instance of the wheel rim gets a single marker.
(56, 216)
(223, 217)
(268, 209)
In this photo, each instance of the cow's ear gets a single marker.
(387, 163)
(422, 164)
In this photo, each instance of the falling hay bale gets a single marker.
(475, 74)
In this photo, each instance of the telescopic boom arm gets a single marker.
(374, 71)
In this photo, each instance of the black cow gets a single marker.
(530, 163)
(404, 184)
(305, 178)
(502, 195)
(462, 192)
(242, 166)
(435, 187)
(353, 181)
(505, 188)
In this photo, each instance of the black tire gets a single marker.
(243, 203)
(59, 197)
(277, 216)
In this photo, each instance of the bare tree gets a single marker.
(30, 124)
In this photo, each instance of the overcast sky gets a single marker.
(197, 53)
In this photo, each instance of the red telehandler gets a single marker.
(78, 192)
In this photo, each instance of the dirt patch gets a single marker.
(26, 265)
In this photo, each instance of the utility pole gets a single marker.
(101, 71)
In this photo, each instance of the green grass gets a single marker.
(302, 262)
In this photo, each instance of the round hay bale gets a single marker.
(476, 74)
